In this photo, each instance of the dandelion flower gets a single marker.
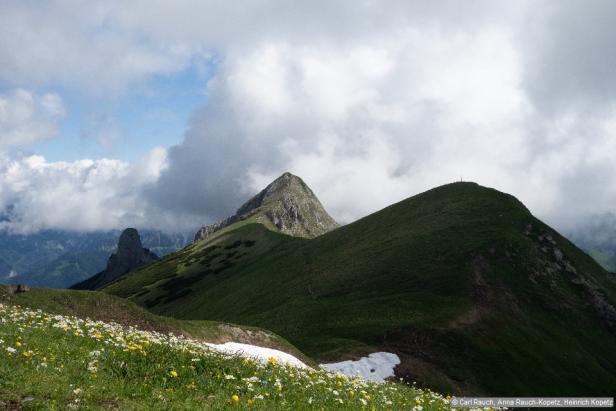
(173, 373)
(235, 398)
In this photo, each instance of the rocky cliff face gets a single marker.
(287, 205)
(129, 256)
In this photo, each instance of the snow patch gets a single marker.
(259, 353)
(375, 367)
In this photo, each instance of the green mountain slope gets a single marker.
(104, 307)
(462, 282)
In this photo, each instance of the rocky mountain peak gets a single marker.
(129, 256)
(286, 205)
(130, 248)
(286, 186)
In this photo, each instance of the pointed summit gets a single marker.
(286, 205)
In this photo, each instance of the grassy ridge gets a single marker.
(474, 293)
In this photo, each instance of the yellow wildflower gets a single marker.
(173, 373)
(235, 398)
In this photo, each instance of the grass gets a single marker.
(108, 308)
(60, 362)
(462, 282)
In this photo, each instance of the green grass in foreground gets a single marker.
(59, 362)
(108, 308)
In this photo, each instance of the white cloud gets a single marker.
(569, 55)
(376, 114)
(370, 102)
(81, 195)
(108, 46)
(366, 123)
(27, 118)
(80, 45)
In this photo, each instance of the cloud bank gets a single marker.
(27, 118)
(82, 195)
(369, 102)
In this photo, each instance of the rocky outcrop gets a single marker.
(16, 288)
(129, 256)
(287, 205)
(208, 230)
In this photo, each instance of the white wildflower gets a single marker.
(92, 367)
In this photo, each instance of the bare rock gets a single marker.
(16, 288)
(286, 205)
(129, 256)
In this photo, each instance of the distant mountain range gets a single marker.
(469, 289)
(61, 258)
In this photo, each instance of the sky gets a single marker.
(169, 115)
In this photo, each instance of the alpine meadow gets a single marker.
(324, 205)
